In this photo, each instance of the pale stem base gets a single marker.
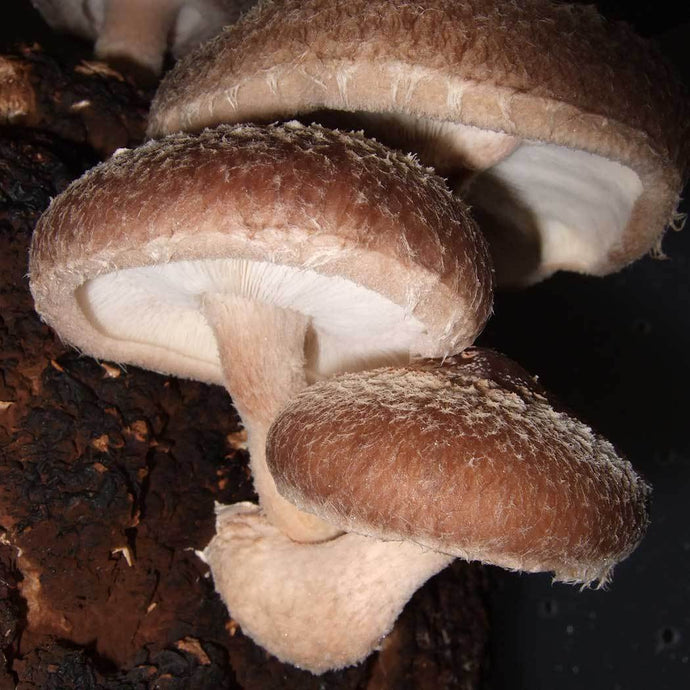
(261, 351)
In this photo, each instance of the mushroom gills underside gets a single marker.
(159, 309)
(551, 207)
(564, 209)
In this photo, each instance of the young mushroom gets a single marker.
(259, 258)
(567, 134)
(469, 457)
(466, 457)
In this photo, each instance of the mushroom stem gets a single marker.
(261, 350)
(317, 606)
(135, 35)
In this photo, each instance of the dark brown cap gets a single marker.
(468, 457)
(121, 259)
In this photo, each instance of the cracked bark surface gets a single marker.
(79, 100)
(108, 477)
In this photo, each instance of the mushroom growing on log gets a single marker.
(466, 458)
(256, 257)
(250, 256)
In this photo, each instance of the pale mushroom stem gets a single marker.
(317, 606)
(137, 32)
(261, 351)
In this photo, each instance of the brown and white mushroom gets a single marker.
(260, 258)
(568, 134)
(467, 457)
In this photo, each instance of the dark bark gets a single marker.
(79, 100)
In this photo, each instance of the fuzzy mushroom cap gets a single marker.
(468, 457)
(365, 242)
(579, 128)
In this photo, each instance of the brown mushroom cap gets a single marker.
(368, 244)
(256, 257)
(468, 457)
(598, 121)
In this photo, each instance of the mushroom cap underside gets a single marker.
(468, 457)
(366, 242)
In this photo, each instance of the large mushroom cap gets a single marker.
(468, 457)
(366, 243)
(576, 128)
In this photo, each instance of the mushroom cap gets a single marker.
(468, 457)
(366, 242)
(600, 121)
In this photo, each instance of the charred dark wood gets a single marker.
(79, 100)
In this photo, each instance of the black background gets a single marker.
(616, 350)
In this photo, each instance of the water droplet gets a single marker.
(667, 637)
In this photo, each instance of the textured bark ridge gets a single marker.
(81, 101)
(108, 479)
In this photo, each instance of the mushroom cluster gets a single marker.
(335, 286)
(258, 258)
(267, 258)
(290, 263)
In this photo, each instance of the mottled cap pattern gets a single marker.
(468, 457)
(535, 70)
(306, 197)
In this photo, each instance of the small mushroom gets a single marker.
(260, 258)
(135, 35)
(567, 134)
(469, 457)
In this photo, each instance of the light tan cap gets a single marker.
(597, 123)
(363, 240)
(468, 457)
